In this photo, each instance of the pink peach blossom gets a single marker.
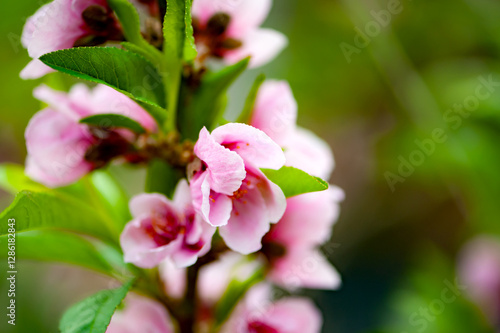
(228, 188)
(275, 113)
(479, 272)
(245, 18)
(57, 143)
(140, 314)
(256, 313)
(60, 25)
(307, 224)
(164, 229)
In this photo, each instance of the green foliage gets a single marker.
(44, 210)
(162, 178)
(202, 106)
(13, 179)
(294, 181)
(246, 114)
(123, 70)
(58, 246)
(93, 314)
(113, 120)
(190, 51)
(233, 294)
(130, 22)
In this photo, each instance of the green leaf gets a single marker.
(246, 114)
(190, 52)
(13, 179)
(201, 108)
(58, 246)
(234, 292)
(44, 210)
(162, 178)
(294, 181)
(113, 120)
(93, 314)
(174, 33)
(120, 69)
(130, 22)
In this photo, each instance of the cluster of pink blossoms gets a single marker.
(224, 193)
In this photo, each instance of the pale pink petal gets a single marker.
(147, 203)
(226, 169)
(189, 253)
(252, 144)
(275, 111)
(139, 247)
(107, 100)
(249, 222)
(174, 279)
(304, 268)
(294, 315)
(246, 15)
(479, 271)
(215, 208)
(64, 102)
(308, 152)
(263, 45)
(273, 196)
(56, 148)
(140, 314)
(309, 218)
(34, 70)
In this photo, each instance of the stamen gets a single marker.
(218, 24)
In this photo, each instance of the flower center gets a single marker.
(164, 228)
(260, 327)
(100, 25)
(213, 36)
(107, 145)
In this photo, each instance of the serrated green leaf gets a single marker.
(120, 69)
(93, 314)
(201, 108)
(246, 114)
(44, 210)
(113, 120)
(293, 181)
(13, 179)
(190, 51)
(58, 246)
(130, 22)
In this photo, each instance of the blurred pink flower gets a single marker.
(164, 229)
(256, 313)
(228, 188)
(59, 147)
(140, 314)
(275, 113)
(292, 244)
(63, 24)
(231, 30)
(479, 271)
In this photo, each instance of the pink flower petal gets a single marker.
(226, 169)
(308, 152)
(141, 314)
(253, 145)
(263, 45)
(275, 111)
(304, 268)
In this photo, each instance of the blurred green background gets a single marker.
(395, 247)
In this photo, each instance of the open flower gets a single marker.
(228, 188)
(275, 113)
(63, 24)
(140, 314)
(256, 313)
(230, 30)
(292, 244)
(164, 229)
(60, 149)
